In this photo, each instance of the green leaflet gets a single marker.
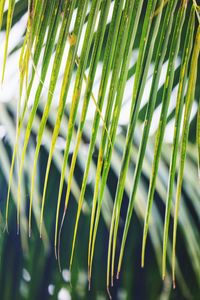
(69, 8)
(94, 61)
(150, 9)
(163, 116)
(114, 117)
(77, 92)
(179, 111)
(48, 15)
(2, 4)
(51, 13)
(118, 60)
(64, 90)
(78, 86)
(160, 54)
(44, 12)
(22, 115)
(117, 206)
(50, 43)
(188, 106)
(11, 7)
(41, 11)
(29, 40)
(108, 59)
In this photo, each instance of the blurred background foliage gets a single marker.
(28, 268)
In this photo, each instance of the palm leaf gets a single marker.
(83, 51)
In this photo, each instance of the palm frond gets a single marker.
(83, 52)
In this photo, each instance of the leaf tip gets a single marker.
(174, 284)
(108, 292)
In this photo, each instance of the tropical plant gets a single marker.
(108, 93)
